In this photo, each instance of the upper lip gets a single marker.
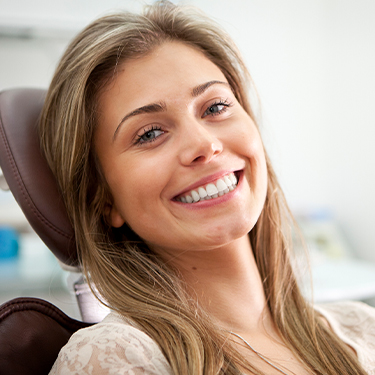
(206, 180)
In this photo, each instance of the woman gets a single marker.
(179, 219)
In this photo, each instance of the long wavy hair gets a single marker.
(130, 278)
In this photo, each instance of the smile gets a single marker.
(213, 190)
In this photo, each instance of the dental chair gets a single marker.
(32, 331)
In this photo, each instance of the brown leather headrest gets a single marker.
(28, 175)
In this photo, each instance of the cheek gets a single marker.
(137, 189)
(248, 144)
(252, 149)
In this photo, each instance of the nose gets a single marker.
(199, 145)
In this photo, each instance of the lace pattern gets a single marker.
(111, 347)
(354, 323)
(114, 346)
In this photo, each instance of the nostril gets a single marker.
(200, 150)
(197, 159)
(216, 148)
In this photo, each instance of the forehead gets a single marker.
(171, 58)
(166, 72)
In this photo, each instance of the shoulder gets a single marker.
(356, 316)
(354, 323)
(113, 346)
(347, 312)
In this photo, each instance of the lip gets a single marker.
(206, 180)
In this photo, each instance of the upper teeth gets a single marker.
(212, 190)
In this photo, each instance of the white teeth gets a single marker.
(195, 196)
(202, 192)
(211, 189)
(222, 186)
(233, 178)
(228, 181)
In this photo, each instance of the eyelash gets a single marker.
(153, 128)
(225, 103)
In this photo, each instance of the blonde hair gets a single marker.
(132, 279)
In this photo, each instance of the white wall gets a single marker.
(313, 63)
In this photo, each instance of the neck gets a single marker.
(227, 284)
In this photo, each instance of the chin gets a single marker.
(223, 235)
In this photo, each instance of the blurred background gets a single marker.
(313, 65)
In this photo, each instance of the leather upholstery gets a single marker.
(28, 175)
(32, 332)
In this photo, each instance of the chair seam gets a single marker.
(68, 322)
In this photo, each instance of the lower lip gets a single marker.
(214, 201)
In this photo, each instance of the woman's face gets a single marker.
(170, 132)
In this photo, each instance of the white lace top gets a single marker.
(114, 346)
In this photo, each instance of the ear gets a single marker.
(113, 216)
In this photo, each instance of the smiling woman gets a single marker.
(180, 139)
(179, 219)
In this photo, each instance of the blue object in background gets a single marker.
(8, 243)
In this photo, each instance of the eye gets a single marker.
(217, 108)
(149, 135)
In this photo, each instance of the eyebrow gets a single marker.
(149, 108)
(200, 89)
(161, 106)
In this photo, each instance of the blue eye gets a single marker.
(149, 135)
(216, 108)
